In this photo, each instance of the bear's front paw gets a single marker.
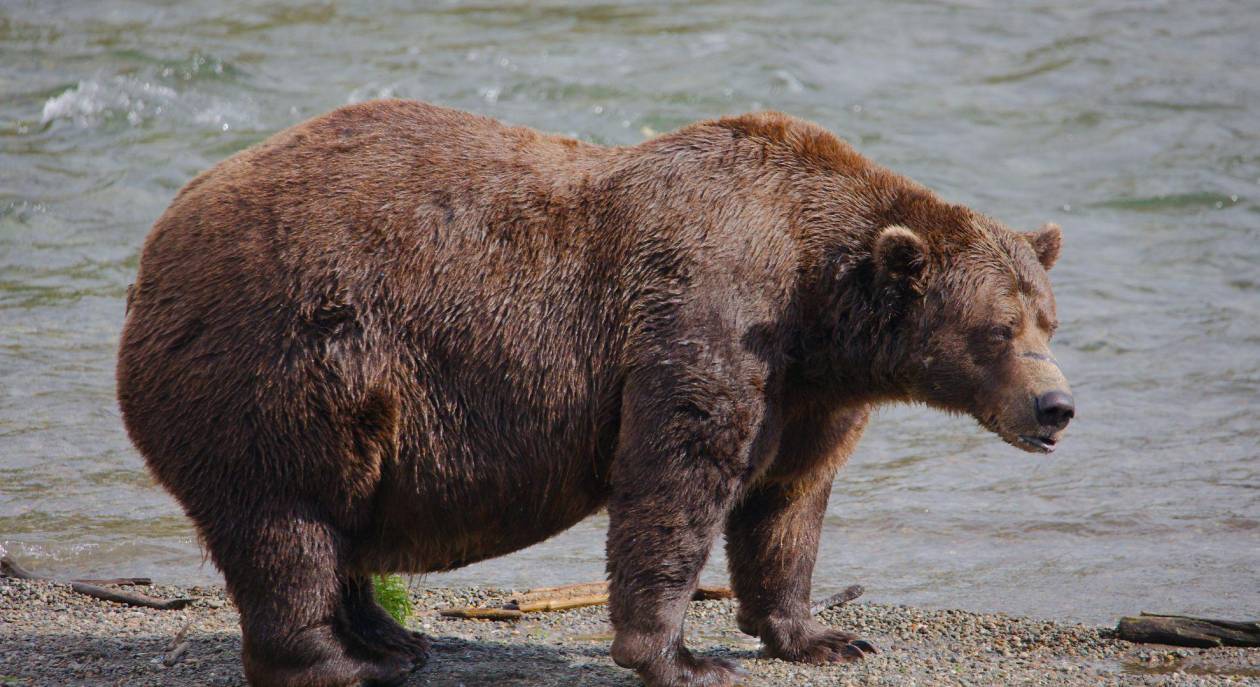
(819, 645)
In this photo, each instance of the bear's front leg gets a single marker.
(772, 542)
(681, 460)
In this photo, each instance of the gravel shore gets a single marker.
(52, 636)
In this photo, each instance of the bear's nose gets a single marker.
(1055, 408)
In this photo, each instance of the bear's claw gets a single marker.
(821, 647)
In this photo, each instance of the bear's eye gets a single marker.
(1002, 333)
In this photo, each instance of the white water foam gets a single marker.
(94, 101)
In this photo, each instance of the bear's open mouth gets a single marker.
(1043, 444)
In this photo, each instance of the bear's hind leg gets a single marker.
(374, 629)
(283, 570)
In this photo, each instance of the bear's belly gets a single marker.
(502, 535)
(419, 539)
(460, 509)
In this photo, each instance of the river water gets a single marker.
(1135, 125)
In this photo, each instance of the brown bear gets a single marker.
(399, 337)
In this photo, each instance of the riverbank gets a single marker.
(52, 636)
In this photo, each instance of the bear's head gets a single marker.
(975, 323)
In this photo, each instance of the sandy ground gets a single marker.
(51, 636)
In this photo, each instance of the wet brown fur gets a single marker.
(399, 337)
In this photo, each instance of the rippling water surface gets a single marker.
(1136, 125)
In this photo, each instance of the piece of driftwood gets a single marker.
(178, 647)
(704, 593)
(567, 597)
(11, 568)
(482, 613)
(558, 604)
(174, 655)
(589, 594)
(1181, 630)
(562, 592)
(839, 599)
(561, 598)
(118, 581)
(130, 598)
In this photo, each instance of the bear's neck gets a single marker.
(848, 349)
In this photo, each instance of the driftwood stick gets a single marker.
(550, 598)
(850, 593)
(130, 598)
(533, 603)
(175, 654)
(1243, 625)
(178, 647)
(1181, 630)
(561, 598)
(179, 636)
(481, 613)
(707, 593)
(118, 581)
(561, 592)
(559, 604)
(11, 568)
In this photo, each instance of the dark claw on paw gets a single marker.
(865, 646)
(850, 651)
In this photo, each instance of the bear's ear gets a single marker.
(900, 254)
(1046, 243)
